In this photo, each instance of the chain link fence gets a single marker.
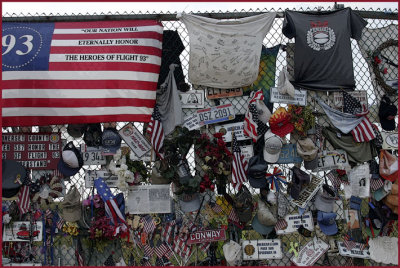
(96, 252)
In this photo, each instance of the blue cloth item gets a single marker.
(343, 121)
(355, 202)
(327, 223)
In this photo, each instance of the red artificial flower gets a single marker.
(377, 60)
(218, 135)
(385, 71)
(298, 110)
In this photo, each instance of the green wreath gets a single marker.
(376, 60)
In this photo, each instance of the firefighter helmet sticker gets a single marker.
(320, 36)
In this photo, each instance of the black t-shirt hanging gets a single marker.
(323, 57)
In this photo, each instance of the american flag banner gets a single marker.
(23, 200)
(149, 224)
(181, 247)
(79, 253)
(80, 72)
(161, 250)
(204, 246)
(110, 202)
(349, 244)
(375, 184)
(333, 177)
(60, 223)
(233, 217)
(168, 232)
(364, 131)
(217, 208)
(239, 166)
(156, 131)
(148, 250)
(281, 224)
(251, 116)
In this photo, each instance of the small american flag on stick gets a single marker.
(239, 166)
(156, 131)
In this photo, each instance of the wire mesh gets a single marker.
(96, 252)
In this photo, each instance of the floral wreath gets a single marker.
(377, 64)
(216, 160)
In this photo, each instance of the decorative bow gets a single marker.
(275, 178)
(293, 249)
(206, 184)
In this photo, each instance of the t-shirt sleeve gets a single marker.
(357, 25)
(288, 28)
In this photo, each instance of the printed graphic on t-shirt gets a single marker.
(320, 36)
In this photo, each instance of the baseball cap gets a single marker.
(190, 205)
(309, 152)
(12, 171)
(232, 253)
(71, 160)
(327, 223)
(272, 147)
(71, 205)
(324, 201)
(111, 140)
(76, 130)
(280, 122)
(256, 172)
(92, 135)
(387, 112)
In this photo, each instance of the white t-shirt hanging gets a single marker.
(225, 54)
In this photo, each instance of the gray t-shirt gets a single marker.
(323, 58)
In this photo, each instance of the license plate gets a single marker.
(332, 160)
(217, 93)
(92, 155)
(93, 158)
(289, 155)
(215, 114)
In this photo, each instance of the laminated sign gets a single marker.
(390, 140)
(80, 72)
(21, 230)
(146, 199)
(135, 140)
(192, 99)
(310, 253)
(110, 179)
(237, 128)
(294, 221)
(33, 150)
(262, 249)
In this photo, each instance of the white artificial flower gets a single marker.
(6, 218)
(124, 167)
